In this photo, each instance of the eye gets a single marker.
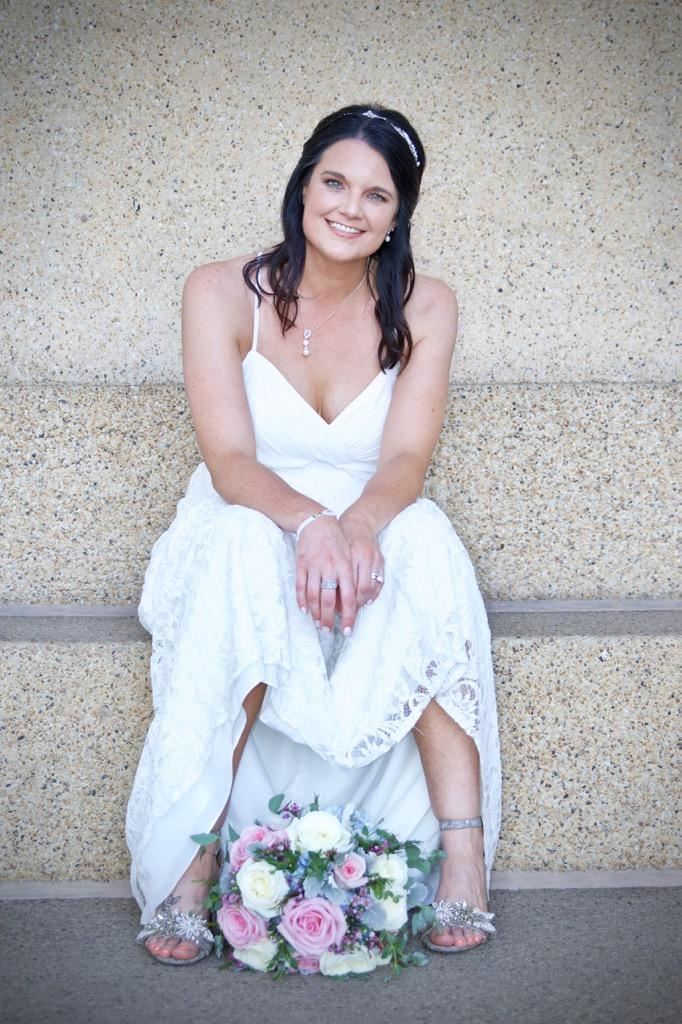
(333, 183)
(378, 195)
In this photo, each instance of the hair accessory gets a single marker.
(400, 131)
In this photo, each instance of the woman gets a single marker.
(315, 622)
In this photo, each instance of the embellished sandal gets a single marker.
(458, 913)
(186, 925)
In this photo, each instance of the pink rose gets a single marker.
(312, 926)
(308, 964)
(239, 853)
(277, 836)
(241, 927)
(351, 873)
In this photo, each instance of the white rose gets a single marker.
(319, 831)
(358, 961)
(262, 886)
(396, 913)
(258, 955)
(392, 868)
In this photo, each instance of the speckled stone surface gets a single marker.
(142, 139)
(591, 766)
(556, 491)
(588, 741)
(74, 717)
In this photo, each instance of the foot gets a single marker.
(462, 876)
(188, 895)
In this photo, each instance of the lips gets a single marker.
(344, 230)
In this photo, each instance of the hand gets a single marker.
(366, 557)
(323, 553)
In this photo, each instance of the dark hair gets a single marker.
(394, 264)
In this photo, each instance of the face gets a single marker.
(350, 201)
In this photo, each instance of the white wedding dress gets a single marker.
(219, 600)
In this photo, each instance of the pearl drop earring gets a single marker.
(388, 236)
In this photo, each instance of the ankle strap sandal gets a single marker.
(178, 924)
(458, 913)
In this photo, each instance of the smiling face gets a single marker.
(350, 201)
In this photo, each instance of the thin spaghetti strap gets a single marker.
(256, 314)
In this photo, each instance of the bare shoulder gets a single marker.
(215, 298)
(222, 278)
(432, 310)
(431, 295)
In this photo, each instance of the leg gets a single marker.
(192, 888)
(451, 766)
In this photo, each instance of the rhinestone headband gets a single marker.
(400, 131)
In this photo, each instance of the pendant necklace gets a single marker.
(308, 332)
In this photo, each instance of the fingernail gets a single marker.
(347, 631)
(304, 610)
(317, 623)
(326, 629)
(371, 600)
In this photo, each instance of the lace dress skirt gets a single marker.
(219, 600)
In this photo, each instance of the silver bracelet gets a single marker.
(312, 518)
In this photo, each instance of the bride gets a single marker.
(316, 624)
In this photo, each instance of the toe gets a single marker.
(440, 938)
(169, 947)
(185, 951)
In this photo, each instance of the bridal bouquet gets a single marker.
(318, 890)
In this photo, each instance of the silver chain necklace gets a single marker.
(308, 332)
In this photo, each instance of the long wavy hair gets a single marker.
(392, 263)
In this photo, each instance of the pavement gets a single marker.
(567, 956)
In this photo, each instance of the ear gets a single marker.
(303, 192)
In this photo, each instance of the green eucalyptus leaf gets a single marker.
(233, 834)
(418, 922)
(205, 838)
(275, 802)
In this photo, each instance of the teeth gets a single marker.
(344, 227)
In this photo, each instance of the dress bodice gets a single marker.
(330, 462)
(294, 441)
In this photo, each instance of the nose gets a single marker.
(350, 205)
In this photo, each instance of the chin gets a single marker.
(343, 250)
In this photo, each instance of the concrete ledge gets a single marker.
(516, 880)
(84, 624)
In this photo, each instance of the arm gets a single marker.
(414, 421)
(216, 310)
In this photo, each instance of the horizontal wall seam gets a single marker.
(117, 623)
(597, 879)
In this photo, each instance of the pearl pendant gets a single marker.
(306, 342)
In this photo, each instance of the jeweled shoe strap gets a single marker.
(449, 823)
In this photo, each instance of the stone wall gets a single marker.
(144, 139)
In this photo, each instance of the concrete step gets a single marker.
(571, 957)
(556, 490)
(586, 729)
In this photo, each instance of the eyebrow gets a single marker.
(373, 188)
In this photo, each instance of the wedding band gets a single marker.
(378, 577)
(328, 585)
